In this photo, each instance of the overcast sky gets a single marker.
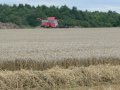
(91, 5)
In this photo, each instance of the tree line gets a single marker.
(25, 16)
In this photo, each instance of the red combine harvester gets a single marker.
(51, 22)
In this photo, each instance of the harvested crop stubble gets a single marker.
(60, 78)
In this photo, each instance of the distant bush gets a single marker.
(8, 26)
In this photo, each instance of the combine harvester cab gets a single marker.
(53, 22)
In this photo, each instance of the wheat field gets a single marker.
(56, 44)
(53, 59)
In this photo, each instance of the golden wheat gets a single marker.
(29, 64)
(60, 78)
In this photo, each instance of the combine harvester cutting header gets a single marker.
(50, 22)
